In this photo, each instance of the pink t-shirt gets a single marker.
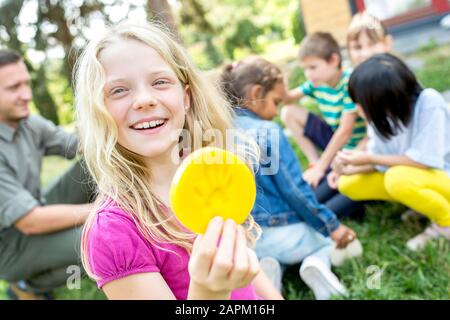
(117, 249)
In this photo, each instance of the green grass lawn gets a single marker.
(436, 67)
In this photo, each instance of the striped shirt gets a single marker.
(333, 102)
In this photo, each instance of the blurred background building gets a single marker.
(413, 23)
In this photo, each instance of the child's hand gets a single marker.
(337, 165)
(353, 157)
(313, 175)
(217, 268)
(333, 179)
(343, 235)
(342, 169)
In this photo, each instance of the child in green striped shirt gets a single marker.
(340, 126)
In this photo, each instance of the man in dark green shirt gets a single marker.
(39, 231)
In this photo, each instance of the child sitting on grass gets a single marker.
(338, 127)
(295, 226)
(408, 154)
(366, 36)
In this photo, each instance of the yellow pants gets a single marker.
(426, 191)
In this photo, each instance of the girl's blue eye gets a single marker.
(117, 91)
(160, 82)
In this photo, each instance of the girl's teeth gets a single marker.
(151, 124)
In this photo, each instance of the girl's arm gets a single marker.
(362, 145)
(265, 289)
(357, 158)
(152, 286)
(294, 190)
(339, 139)
(351, 169)
(140, 286)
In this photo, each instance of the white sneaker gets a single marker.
(320, 279)
(339, 256)
(272, 269)
(432, 232)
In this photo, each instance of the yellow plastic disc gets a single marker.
(212, 182)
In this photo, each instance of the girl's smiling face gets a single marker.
(144, 96)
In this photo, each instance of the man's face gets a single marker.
(15, 93)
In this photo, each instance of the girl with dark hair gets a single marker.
(408, 153)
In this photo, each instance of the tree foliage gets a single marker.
(229, 29)
(56, 24)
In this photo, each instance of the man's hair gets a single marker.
(8, 57)
(321, 45)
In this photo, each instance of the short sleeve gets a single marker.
(55, 139)
(349, 106)
(428, 145)
(15, 200)
(347, 102)
(307, 89)
(116, 249)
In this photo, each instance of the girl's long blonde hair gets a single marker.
(371, 25)
(121, 175)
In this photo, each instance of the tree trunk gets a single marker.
(161, 12)
(42, 98)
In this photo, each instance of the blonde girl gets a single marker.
(366, 36)
(136, 88)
